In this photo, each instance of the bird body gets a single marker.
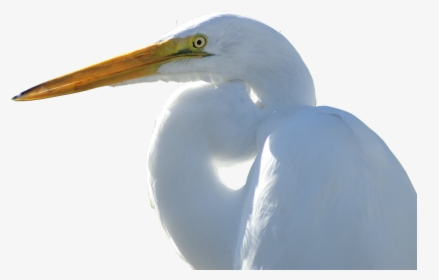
(324, 191)
(307, 203)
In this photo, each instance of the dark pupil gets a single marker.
(199, 42)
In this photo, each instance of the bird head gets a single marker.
(213, 48)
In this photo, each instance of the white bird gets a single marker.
(324, 191)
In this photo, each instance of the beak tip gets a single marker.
(23, 94)
(17, 97)
(20, 97)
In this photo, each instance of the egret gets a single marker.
(324, 191)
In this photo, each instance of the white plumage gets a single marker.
(324, 191)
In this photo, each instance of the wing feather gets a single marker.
(328, 194)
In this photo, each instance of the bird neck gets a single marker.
(286, 94)
(281, 81)
(199, 213)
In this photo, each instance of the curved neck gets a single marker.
(200, 213)
(280, 78)
(281, 90)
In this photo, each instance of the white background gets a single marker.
(74, 200)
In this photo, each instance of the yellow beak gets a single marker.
(140, 63)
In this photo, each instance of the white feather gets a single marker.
(324, 191)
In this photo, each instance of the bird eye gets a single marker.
(199, 42)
